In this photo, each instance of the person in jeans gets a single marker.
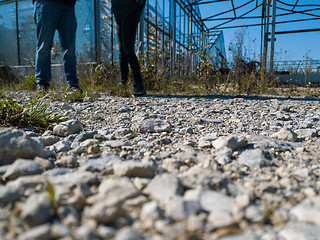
(49, 16)
(127, 14)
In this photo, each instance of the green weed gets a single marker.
(33, 113)
(29, 83)
(51, 192)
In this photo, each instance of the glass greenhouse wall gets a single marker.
(170, 34)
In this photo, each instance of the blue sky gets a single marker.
(295, 46)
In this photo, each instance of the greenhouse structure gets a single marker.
(170, 31)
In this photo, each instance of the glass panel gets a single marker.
(158, 32)
(27, 32)
(85, 43)
(109, 46)
(8, 34)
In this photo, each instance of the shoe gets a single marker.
(139, 90)
(122, 83)
(75, 89)
(41, 88)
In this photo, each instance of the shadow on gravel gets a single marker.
(216, 96)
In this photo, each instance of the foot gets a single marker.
(139, 90)
(41, 88)
(75, 89)
(122, 83)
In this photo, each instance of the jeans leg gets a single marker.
(128, 38)
(67, 34)
(46, 18)
(123, 62)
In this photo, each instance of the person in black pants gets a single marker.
(127, 14)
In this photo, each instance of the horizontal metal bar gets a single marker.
(259, 24)
(298, 31)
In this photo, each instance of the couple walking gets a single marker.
(52, 15)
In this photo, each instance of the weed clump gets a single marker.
(32, 114)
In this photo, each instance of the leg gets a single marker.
(123, 62)
(128, 38)
(67, 34)
(46, 18)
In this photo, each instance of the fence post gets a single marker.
(273, 34)
(97, 23)
(18, 33)
(173, 37)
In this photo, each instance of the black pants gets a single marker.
(126, 34)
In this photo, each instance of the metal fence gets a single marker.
(172, 27)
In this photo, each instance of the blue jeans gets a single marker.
(49, 17)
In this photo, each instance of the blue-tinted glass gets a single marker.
(158, 31)
(8, 34)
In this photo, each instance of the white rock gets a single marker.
(215, 201)
(22, 167)
(233, 142)
(163, 187)
(285, 134)
(17, 144)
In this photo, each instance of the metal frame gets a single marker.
(196, 33)
(269, 19)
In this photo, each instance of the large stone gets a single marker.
(151, 211)
(307, 133)
(121, 132)
(36, 210)
(223, 155)
(84, 136)
(127, 233)
(61, 146)
(17, 144)
(233, 142)
(206, 141)
(86, 232)
(254, 213)
(49, 140)
(22, 167)
(286, 134)
(152, 126)
(255, 158)
(42, 232)
(69, 127)
(8, 194)
(163, 187)
(220, 219)
(307, 211)
(46, 164)
(69, 161)
(27, 183)
(102, 212)
(104, 162)
(178, 208)
(300, 232)
(133, 169)
(72, 179)
(199, 177)
(214, 201)
(191, 157)
(266, 143)
(115, 190)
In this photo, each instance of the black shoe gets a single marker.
(122, 83)
(41, 88)
(139, 90)
(75, 89)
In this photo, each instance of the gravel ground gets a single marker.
(153, 167)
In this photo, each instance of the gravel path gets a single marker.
(231, 168)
